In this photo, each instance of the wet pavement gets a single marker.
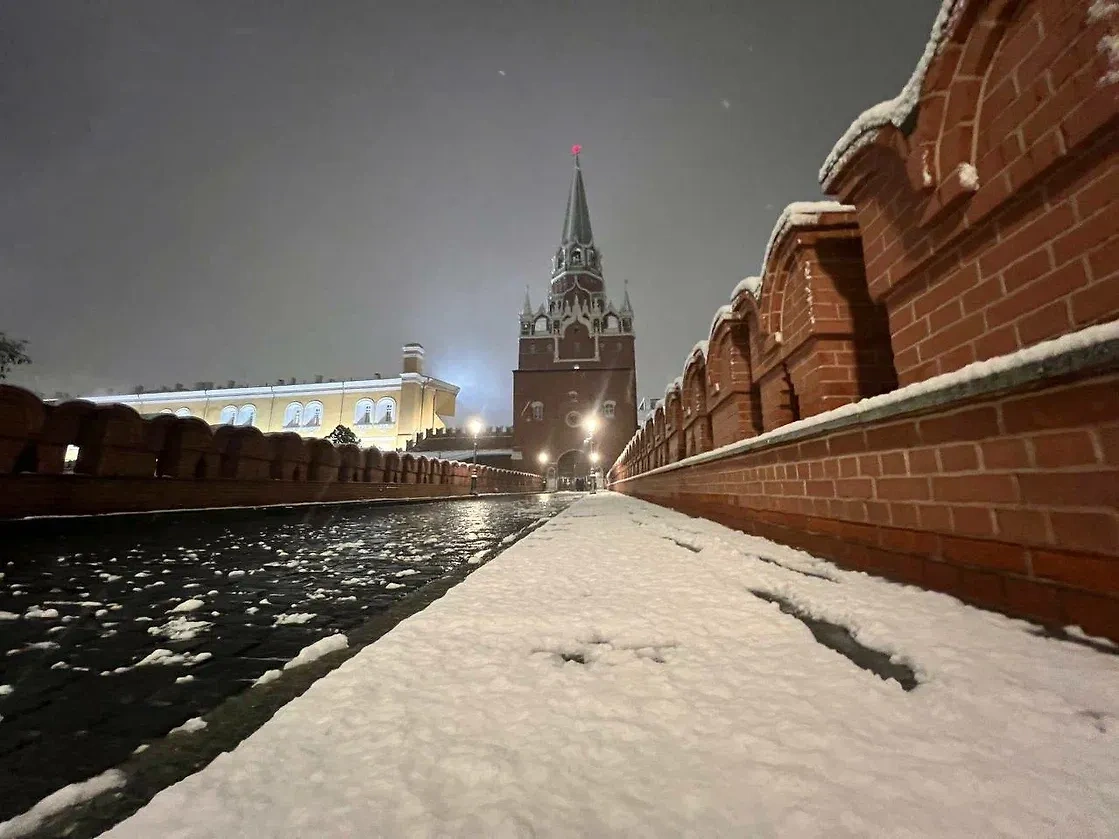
(115, 630)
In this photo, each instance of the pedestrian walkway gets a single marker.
(626, 670)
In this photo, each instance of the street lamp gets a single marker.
(543, 459)
(475, 427)
(594, 472)
(591, 426)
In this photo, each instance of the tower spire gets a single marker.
(527, 308)
(577, 219)
(627, 307)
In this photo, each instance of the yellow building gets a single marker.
(385, 413)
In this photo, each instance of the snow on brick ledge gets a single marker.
(751, 285)
(893, 111)
(798, 213)
(701, 348)
(1059, 356)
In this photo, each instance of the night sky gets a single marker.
(221, 190)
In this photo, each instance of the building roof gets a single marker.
(577, 219)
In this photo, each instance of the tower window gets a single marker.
(313, 415)
(608, 409)
(538, 411)
(576, 257)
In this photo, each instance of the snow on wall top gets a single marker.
(751, 284)
(722, 313)
(799, 212)
(893, 111)
(675, 384)
(1024, 358)
(700, 347)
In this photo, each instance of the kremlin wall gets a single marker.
(923, 382)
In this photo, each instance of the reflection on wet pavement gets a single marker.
(115, 630)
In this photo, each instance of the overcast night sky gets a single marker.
(221, 190)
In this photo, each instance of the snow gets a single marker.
(37, 612)
(6, 690)
(190, 726)
(268, 676)
(797, 213)
(1024, 358)
(724, 312)
(675, 384)
(294, 619)
(1101, 9)
(751, 285)
(182, 680)
(394, 585)
(969, 177)
(576, 686)
(180, 629)
(59, 801)
(700, 348)
(408, 572)
(893, 111)
(188, 605)
(324, 646)
(9, 616)
(235, 574)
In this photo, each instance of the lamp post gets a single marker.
(591, 426)
(594, 472)
(543, 459)
(475, 427)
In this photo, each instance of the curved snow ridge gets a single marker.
(796, 213)
(893, 111)
(322, 647)
(700, 348)
(750, 285)
(724, 312)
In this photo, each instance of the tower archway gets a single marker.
(572, 468)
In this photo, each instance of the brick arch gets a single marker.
(390, 463)
(659, 448)
(647, 448)
(732, 393)
(693, 394)
(673, 425)
(408, 474)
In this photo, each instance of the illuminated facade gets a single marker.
(575, 361)
(386, 413)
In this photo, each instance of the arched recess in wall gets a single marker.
(385, 412)
(312, 415)
(246, 415)
(537, 411)
(293, 415)
(363, 412)
(228, 415)
(183, 412)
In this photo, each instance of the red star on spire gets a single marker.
(575, 149)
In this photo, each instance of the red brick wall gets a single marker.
(1010, 502)
(121, 453)
(1031, 254)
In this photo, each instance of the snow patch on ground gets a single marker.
(408, 572)
(38, 612)
(324, 646)
(268, 676)
(6, 690)
(190, 726)
(9, 616)
(295, 618)
(188, 606)
(60, 801)
(581, 686)
(180, 629)
(394, 585)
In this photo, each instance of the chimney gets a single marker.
(413, 359)
(291, 381)
(318, 378)
(376, 375)
(231, 383)
(179, 386)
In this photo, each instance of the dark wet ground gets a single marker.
(84, 602)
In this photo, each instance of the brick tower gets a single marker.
(574, 389)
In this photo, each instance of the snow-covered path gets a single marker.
(614, 674)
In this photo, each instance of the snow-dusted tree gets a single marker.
(341, 435)
(11, 354)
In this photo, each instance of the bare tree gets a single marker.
(11, 354)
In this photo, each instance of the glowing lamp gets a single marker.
(542, 457)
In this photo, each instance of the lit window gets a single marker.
(538, 411)
(293, 415)
(363, 412)
(608, 410)
(312, 415)
(386, 411)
